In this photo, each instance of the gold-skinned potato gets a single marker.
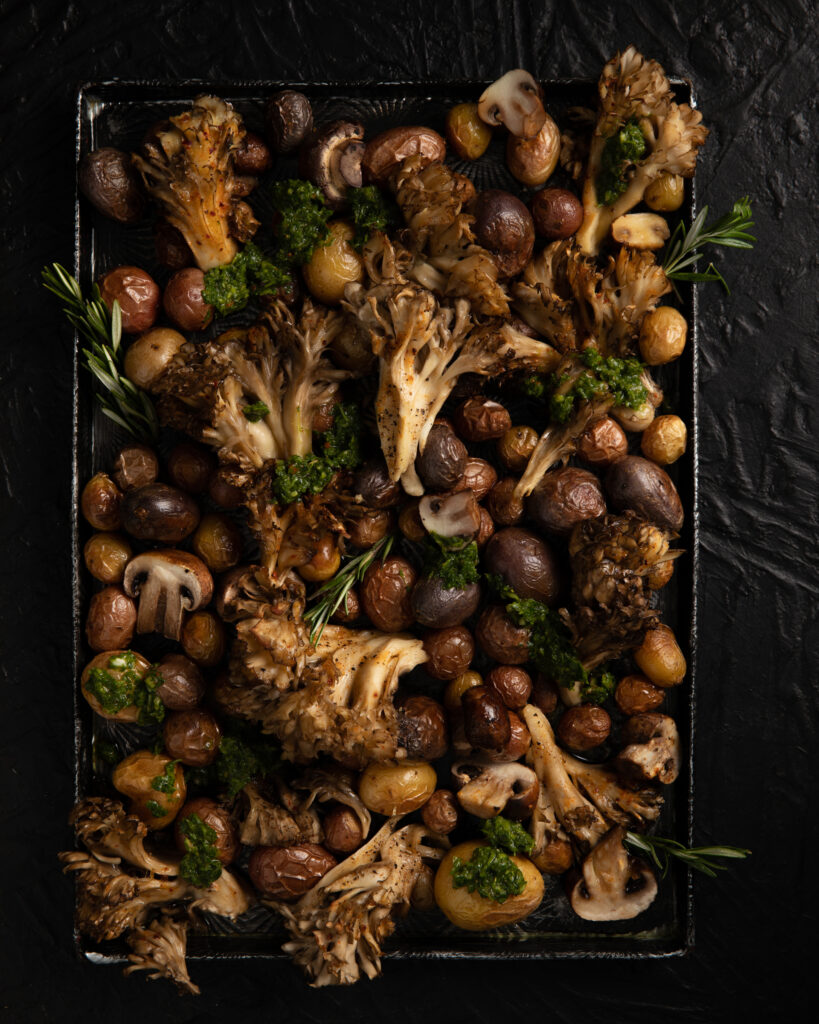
(473, 912)
(397, 788)
(135, 777)
(333, 266)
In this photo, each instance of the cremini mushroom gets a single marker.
(450, 515)
(514, 100)
(652, 751)
(487, 790)
(389, 149)
(331, 159)
(614, 885)
(167, 583)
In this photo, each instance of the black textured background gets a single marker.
(754, 66)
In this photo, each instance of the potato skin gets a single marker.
(111, 620)
(385, 594)
(525, 562)
(564, 498)
(107, 178)
(333, 266)
(473, 912)
(216, 817)
(449, 652)
(287, 872)
(397, 788)
(437, 607)
(642, 486)
(557, 213)
(500, 638)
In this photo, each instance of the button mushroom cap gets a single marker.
(331, 159)
(487, 790)
(652, 751)
(167, 582)
(514, 100)
(450, 515)
(614, 885)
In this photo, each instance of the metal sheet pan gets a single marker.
(118, 113)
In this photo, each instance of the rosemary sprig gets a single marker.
(701, 858)
(684, 246)
(121, 401)
(330, 595)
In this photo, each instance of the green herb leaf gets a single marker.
(155, 808)
(621, 150)
(122, 684)
(509, 836)
(166, 782)
(146, 698)
(550, 644)
(200, 865)
(299, 475)
(255, 412)
(491, 872)
(603, 377)
(126, 405)
(332, 594)
(453, 560)
(229, 288)
(106, 752)
(684, 247)
(341, 444)
(303, 224)
(371, 211)
(705, 859)
(245, 755)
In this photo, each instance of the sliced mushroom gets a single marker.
(641, 230)
(450, 515)
(652, 751)
(487, 790)
(514, 100)
(167, 583)
(614, 885)
(331, 159)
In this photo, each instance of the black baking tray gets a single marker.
(118, 113)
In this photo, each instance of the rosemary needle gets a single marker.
(330, 595)
(684, 246)
(701, 858)
(121, 400)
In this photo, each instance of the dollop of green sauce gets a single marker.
(625, 147)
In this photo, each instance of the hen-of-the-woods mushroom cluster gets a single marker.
(408, 560)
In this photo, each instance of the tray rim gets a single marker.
(675, 946)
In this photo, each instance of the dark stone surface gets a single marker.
(755, 69)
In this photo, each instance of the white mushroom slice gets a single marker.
(497, 788)
(450, 515)
(514, 100)
(614, 885)
(641, 230)
(167, 583)
(652, 751)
